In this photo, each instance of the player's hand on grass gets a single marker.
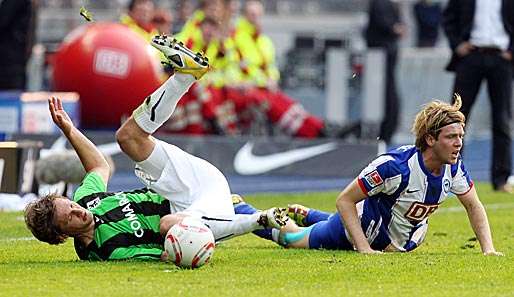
(493, 253)
(164, 256)
(59, 116)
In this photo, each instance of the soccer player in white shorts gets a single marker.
(194, 186)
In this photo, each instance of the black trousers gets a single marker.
(470, 72)
(392, 102)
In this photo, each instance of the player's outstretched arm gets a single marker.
(90, 157)
(346, 206)
(478, 219)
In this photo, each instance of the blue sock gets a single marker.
(315, 216)
(245, 208)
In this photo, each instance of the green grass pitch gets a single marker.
(449, 263)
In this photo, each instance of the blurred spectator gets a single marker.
(481, 36)
(232, 8)
(384, 29)
(163, 21)
(242, 84)
(139, 18)
(212, 35)
(213, 9)
(17, 27)
(428, 15)
(184, 10)
(259, 79)
(256, 49)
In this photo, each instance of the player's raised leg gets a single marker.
(134, 135)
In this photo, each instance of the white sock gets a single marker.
(158, 107)
(239, 224)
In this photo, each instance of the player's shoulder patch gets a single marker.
(373, 179)
(91, 204)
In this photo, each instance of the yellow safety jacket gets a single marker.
(256, 52)
(191, 28)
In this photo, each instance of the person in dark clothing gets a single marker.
(16, 38)
(481, 36)
(384, 29)
(428, 16)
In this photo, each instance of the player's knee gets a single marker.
(122, 136)
(126, 136)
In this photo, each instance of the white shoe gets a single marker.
(181, 58)
(275, 217)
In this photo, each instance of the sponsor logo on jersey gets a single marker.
(410, 191)
(93, 203)
(373, 179)
(134, 223)
(418, 211)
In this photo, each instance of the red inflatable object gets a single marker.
(111, 67)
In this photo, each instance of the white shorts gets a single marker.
(192, 185)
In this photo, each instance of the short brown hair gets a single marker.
(434, 116)
(39, 218)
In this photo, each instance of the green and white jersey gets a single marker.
(126, 223)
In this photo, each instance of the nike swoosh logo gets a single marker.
(246, 163)
(409, 191)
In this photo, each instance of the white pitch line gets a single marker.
(487, 207)
(17, 239)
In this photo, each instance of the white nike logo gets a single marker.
(246, 163)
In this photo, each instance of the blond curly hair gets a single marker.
(434, 116)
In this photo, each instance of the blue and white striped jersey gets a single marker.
(402, 193)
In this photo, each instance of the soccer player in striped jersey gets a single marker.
(132, 224)
(386, 208)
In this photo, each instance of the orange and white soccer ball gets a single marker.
(189, 244)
